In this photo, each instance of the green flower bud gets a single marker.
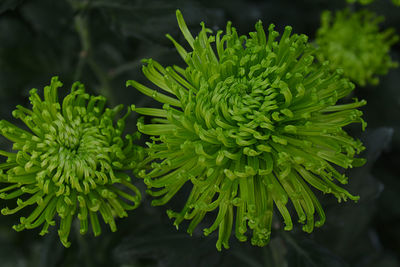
(71, 162)
(250, 123)
(353, 42)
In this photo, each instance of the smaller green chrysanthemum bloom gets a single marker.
(396, 2)
(71, 162)
(354, 43)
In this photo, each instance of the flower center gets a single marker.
(69, 137)
(74, 154)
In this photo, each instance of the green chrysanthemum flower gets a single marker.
(396, 2)
(71, 162)
(353, 42)
(249, 127)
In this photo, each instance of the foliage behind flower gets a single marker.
(69, 163)
(352, 41)
(249, 126)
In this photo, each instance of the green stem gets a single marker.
(102, 76)
(288, 238)
(81, 27)
(83, 245)
(86, 57)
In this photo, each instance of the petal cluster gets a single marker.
(354, 42)
(69, 162)
(250, 123)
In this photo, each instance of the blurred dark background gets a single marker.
(101, 43)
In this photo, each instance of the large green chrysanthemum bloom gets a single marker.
(249, 123)
(353, 42)
(71, 162)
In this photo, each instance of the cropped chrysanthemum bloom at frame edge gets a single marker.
(71, 161)
(249, 123)
(353, 42)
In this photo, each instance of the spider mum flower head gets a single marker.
(71, 162)
(396, 2)
(354, 42)
(250, 123)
